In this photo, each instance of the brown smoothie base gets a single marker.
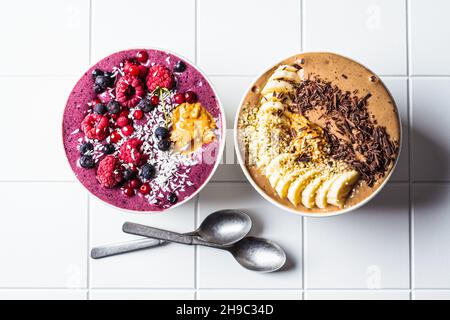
(348, 75)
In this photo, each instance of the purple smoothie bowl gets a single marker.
(192, 171)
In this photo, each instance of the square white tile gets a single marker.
(43, 235)
(372, 32)
(39, 133)
(365, 249)
(140, 294)
(143, 24)
(431, 295)
(431, 207)
(430, 29)
(230, 90)
(245, 37)
(399, 91)
(268, 222)
(43, 294)
(249, 295)
(430, 129)
(169, 266)
(357, 295)
(49, 37)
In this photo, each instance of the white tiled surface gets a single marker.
(394, 248)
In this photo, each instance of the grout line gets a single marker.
(90, 32)
(303, 252)
(196, 218)
(302, 25)
(195, 31)
(408, 67)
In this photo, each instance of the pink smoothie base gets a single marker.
(75, 111)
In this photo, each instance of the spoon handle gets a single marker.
(123, 247)
(146, 231)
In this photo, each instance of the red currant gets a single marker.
(138, 114)
(127, 130)
(128, 191)
(144, 189)
(154, 100)
(115, 116)
(190, 97)
(134, 70)
(142, 56)
(122, 121)
(135, 183)
(115, 137)
(178, 98)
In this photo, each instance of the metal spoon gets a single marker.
(252, 253)
(221, 227)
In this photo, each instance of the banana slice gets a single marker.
(296, 188)
(271, 106)
(285, 182)
(278, 86)
(341, 187)
(321, 195)
(309, 193)
(285, 73)
(278, 162)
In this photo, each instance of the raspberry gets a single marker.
(159, 76)
(95, 126)
(129, 91)
(130, 151)
(108, 172)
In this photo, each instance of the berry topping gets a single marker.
(178, 98)
(102, 81)
(127, 130)
(108, 172)
(138, 114)
(129, 174)
(122, 121)
(128, 191)
(133, 70)
(145, 105)
(86, 148)
(142, 56)
(159, 77)
(113, 107)
(95, 126)
(87, 162)
(108, 148)
(115, 137)
(96, 73)
(172, 197)
(100, 108)
(98, 89)
(164, 144)
(190, 97)
(129, 91)
(180, 66)
(154, 100)
(161, 133)
(148, 171)
(130, 151)
(144, 189)
(135, 183)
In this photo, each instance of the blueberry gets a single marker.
(145, 105)
(172, 197)
(108, 148)
(148, 171)
(113, 107)
(98, 89)
(110, 79)
(102, 81)
(164, 144)
(161, 133)
(180, 66)
(128, 174)
(86, 148)
(96, 73)
(87, 162)
(100, 108)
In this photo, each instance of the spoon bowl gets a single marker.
(225, 227)
(258, 254)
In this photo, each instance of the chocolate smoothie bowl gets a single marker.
(318, 134)
(143, 130)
